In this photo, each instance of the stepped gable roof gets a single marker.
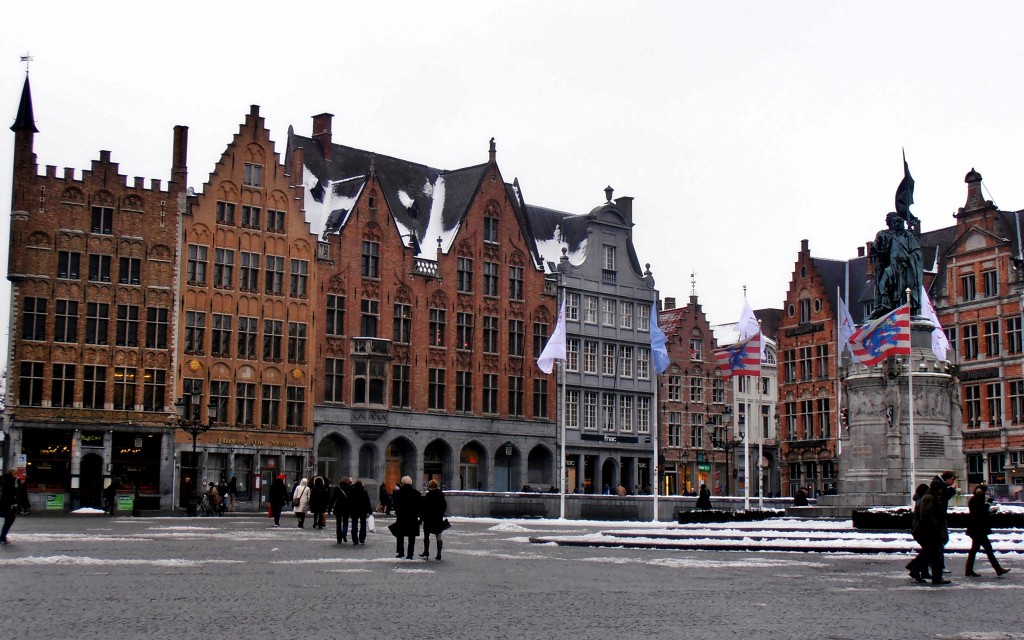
(670, 320)
(426, 203)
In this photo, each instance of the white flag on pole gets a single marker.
(846, 328)
(940, 343)
(749, 326)
(555, 348)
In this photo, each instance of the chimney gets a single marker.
(322, 132)
(670, 303)
(492, 152)
(804, 247)
(860, 252)
(179, 156)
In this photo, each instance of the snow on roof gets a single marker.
(328, 206)
(435, 225)
(550, 250)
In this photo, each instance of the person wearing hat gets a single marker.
(978, 528)
(277, 496)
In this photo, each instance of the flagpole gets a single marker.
(910, 403)
(561, 429)
(839, 369)
(760, 434)
(654, 467)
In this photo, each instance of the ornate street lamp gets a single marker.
(190, 421)
(730, 447)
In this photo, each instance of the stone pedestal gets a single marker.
(874, 466)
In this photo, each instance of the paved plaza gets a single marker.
(73, 576)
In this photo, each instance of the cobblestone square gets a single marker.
(239, 577)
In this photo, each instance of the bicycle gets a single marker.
(203, 507)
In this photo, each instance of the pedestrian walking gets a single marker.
(359, 508)
(213, 497)
(110, 496)
(931, 531)
(300, 501)
(434, 508)
(918, 567)
(704, 497)
(318, 500)
(978, 528)
(339, 504)
(24, 507)
(406, 527)
(277, 496)
(232, 492)
(384, 498)
(8, 503)
(222, 495)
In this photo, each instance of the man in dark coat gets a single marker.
(704, 497)
(8, 503)
(407, 518)
(340, 506)
(931, 531)
(358, 508)
(277, 496)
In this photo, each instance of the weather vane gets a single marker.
(693, 283)
(26, 59)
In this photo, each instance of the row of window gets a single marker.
(624, 361)
(989, 285)
(465, 278)
(248, 271)
(251, 217)
(609, 311)
(95, 385)
(696, 389)
(370, 384)
(241, 408)
(607, 411)
(966, 342)
(983, 403)
(807, 419)
(804, 364)
(248, 337)
(69, 267)
(67, 323)
(466, 336)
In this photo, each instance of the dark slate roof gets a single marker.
(25, 121)
(395, 175)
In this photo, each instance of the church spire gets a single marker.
(25, 120)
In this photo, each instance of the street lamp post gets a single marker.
(730, 448)
(190, 421)
(508, 462)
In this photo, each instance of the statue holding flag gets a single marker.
(896, 255)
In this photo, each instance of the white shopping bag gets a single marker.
(370, 524)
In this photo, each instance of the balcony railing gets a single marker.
(424, 267)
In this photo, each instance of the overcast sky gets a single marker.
(739, 128)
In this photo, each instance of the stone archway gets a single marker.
(399, 460)
(472, 467)
(609, 476)
(540, 468)
(437, 463)
(333, 458)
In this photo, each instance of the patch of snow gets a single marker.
(508, 526)
(88, 510)
(86, 561)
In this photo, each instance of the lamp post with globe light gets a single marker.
(190, 421)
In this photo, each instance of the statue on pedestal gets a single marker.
(896, 262)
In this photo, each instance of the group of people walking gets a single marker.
(350, 503)
(413, 509)
(931, 531)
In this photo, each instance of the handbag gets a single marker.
(395, 529)
(371, 524)
(445, 525)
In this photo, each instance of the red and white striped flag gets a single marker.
(742, 358)
(887, 336)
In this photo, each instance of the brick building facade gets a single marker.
(248, 293)
(91, 364)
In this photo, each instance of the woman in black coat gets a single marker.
(8, 504)
(931, 532)
(359, 508)
(978, 528)
(407, 517)
(277, 496)
(318, 500)
(434, 508)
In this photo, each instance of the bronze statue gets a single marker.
(896, 261)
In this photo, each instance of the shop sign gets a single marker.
(55, 501)
(703, 466)
(125, 502)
